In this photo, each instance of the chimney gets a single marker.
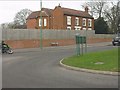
(59, 5)
(86, 9)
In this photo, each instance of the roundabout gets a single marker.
(88, 70)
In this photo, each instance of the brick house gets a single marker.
(61, 18)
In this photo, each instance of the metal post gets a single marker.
(77, 45)
(86, 42)
(41, 24)
(82, 48)
(78, 49)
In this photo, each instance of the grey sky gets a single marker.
(8, 9)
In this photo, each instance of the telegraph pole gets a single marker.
(40, 24)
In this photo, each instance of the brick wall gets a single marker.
(31, 24)
(47, 43)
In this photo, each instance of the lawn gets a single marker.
(102, 60)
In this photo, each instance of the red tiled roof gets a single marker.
(73, 12)
(47, 12)
(33, 15)
(66, 11)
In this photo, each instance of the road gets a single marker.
(36, 68)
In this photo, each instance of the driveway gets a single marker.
(36, 68)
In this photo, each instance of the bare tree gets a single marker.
(96, 8)
(118, 16)
(9, 25)
(20, 18)
(4, 25)
(112, 15)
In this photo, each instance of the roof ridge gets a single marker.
(72, 9)
(47, 8)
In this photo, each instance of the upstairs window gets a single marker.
(89, 22)
(76, 21)
(40, 22)
(45, 22)
(84, 22)
(68, 20)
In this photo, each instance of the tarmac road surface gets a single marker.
(36, 68)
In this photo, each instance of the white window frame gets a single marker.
(40, 22)
(68, 28)
(77, 21)
(89, 22)
(84, 22)
(68, 20)
(45, 22)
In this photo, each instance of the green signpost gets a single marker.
(80, 41)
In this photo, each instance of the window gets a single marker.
(89, 28)
(68, 28)
(84, 21)
(89, 22)
(68, 20)
(84, 28)
(40, 22)
(77, 28)
(77, 21)
(45, 22)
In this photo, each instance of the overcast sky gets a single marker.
(8, 8)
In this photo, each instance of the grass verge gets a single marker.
(103, 60)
